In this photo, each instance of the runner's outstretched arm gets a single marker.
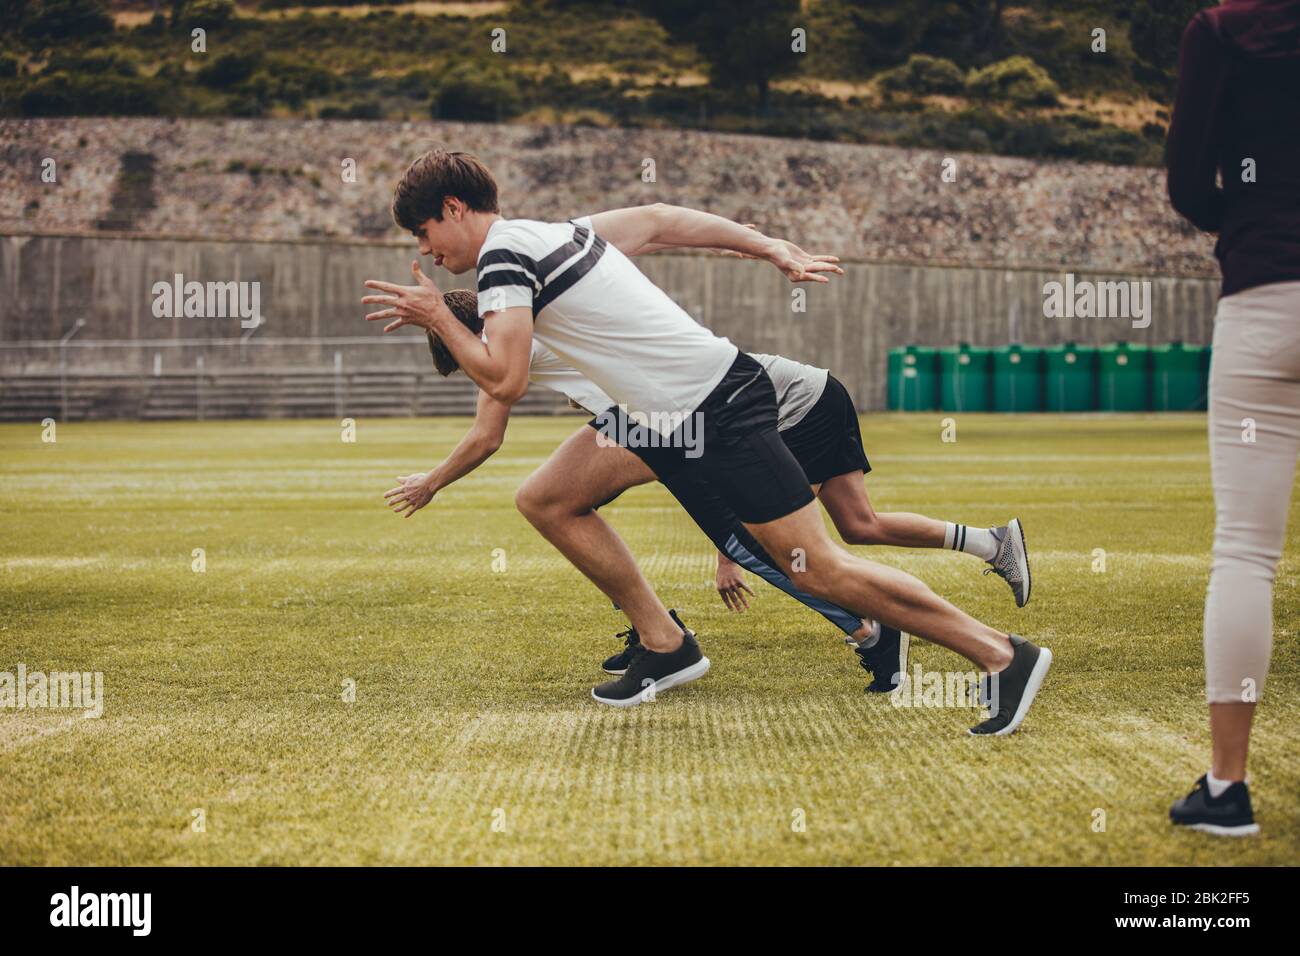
(637, 230)
(479, 444)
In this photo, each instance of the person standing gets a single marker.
(1237, 114)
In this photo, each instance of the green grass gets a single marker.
(224, 688)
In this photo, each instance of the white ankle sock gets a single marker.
(871, 638)
(1216, 785)
(977, 541)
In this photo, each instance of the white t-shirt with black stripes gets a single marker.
(547, 369)
(798, 386)
(595, 310)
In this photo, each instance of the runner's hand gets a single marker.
(407, 304)
(800, 266)
(730, 581)
(411, 494)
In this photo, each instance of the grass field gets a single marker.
(472, 738)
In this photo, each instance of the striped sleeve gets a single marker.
(507, 278)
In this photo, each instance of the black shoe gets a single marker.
(1010, 691)
(617, 664)
(1228, 814)
(886, 660)
(650, 673)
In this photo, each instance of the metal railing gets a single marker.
(259, 377)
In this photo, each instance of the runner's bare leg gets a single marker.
(800, 544)
(559, 500)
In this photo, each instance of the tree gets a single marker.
(984, 17)
(746, 43)
(888, 32)
(1155, 31)
(675, 16)
(970, 32)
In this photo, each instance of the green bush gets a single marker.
(95, 62)
(417, 83)
(923, 75)
(157, 25)
(287, 4)
(208, 14)
(291, 81)
(58, 94)
(365, 109)
(248, 106)
(229, 69)
(471, 92)
(68, 19)
(8, 66)
(1017, 80)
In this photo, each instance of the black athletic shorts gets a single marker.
(738, 450)
(828, 441)
(693, 492)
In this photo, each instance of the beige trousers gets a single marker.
(1254, 440)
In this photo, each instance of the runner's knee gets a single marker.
(820, 575)
(863, 529)
(534, 501)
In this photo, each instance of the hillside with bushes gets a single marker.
(1038, 78)
(332, 180)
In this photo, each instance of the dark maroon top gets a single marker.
(1238, 99)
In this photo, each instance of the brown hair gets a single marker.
(433, 177)
(464, 306)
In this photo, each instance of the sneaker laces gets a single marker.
(629, 637)
(866, 658)
(1002, 564)
(634, 662)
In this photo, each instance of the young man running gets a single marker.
(586, 302)
(605, 471)
(817, 422)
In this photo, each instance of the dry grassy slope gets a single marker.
(283, 179)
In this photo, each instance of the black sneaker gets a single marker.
(1228, 814)
(617, 664)
(649, 673)
(1010, 691)
(886, 660)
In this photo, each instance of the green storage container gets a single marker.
(1178, 377)
(1018, 379)
(913, 379)
(1124, 377)
(965, 379)
(1070, 378)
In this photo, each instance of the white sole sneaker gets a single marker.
(1036, 677)
(655, 688)
(904, 655)
(1249, 829)
(1016, 532)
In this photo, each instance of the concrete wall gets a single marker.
(311, 290)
